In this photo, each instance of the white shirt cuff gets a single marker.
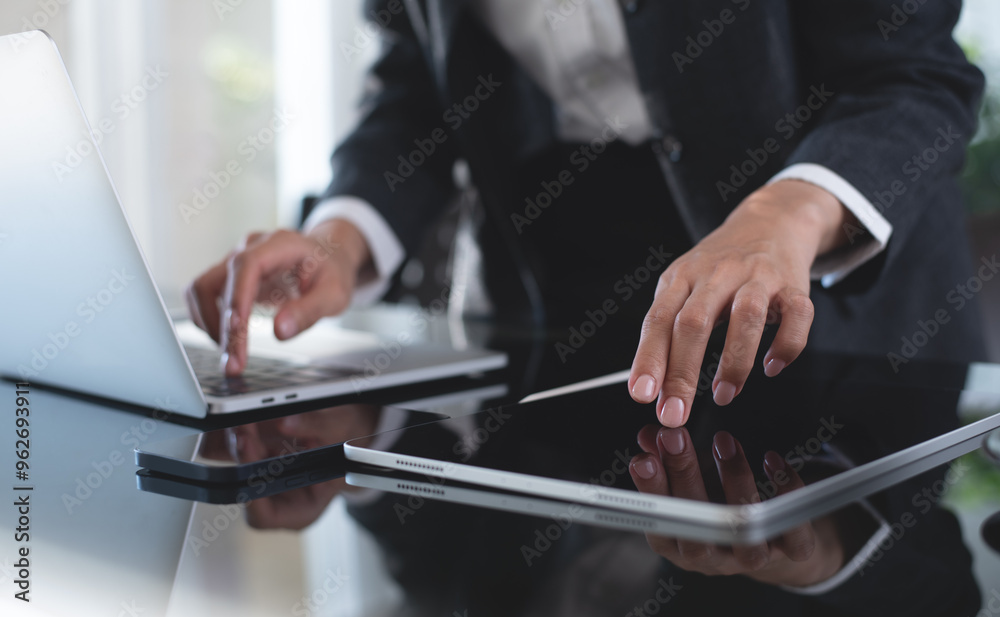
(386, 249)
(835, 265)
(864, 558)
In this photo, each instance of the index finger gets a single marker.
(246, 270)
(650, 363)
(202, 297)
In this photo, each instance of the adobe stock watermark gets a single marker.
(248, 150)
(455, 116)
(121, 109)
(470, 442)
(913, 169)
(223, 8)
(590, 492)
(87, 485)
(392, 349)
(922, 503)
(795, 458)
(131, 609)
(545, 538)
(8, 571)
(89, 309)
(285, 286)
(39, 20)
(786, 127)
(958, 297)
(415, 494)
(697, 44)
(666, 590)
(213, 528)
(898, 17)
(368, 33)
(310, 605)
(624, 289)
(580, 160)
(992, 608)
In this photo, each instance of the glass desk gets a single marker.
(99, 546)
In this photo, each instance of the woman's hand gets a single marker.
(307, 276)
(752, 270)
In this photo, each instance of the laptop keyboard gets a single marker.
(260, 373)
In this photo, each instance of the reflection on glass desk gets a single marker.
(846, 440)
(366, 552)
(259, 459)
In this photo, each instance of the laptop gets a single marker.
(81, 311)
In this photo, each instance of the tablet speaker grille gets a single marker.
(624, 500)
(625, 520)
(420, 465)
(414, 488)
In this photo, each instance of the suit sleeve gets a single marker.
(904, 104)
(399, 157)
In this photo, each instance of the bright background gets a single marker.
(231, 64)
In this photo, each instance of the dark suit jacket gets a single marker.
(886, 86)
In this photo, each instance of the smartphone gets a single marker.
(263, 458)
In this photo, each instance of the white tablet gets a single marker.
(848, 439)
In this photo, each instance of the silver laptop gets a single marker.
(81, 311)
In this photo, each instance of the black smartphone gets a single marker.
(263, 458)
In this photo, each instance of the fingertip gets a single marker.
(292, 423)
(647, 438)
(233, 366)
(644, 389)
(773, 366)
(643, 468)
(724, 393)
(672, 413)
(672, 441)
(285, 325)
(773, 463)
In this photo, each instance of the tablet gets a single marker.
(561, 513)
(848, 439)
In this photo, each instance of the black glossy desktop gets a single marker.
(101, 546)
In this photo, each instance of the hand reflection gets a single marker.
(296, 508)
(668, 465)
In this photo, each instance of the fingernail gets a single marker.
(644, 388)
(224, 361)
(232, 364)
(287, 327)
(672, 413)
(645, 468)
(773, 367)
(233, 442)
(673, 441)
(232, 320)
(724, 393)
(773, 463)
(725, 446)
